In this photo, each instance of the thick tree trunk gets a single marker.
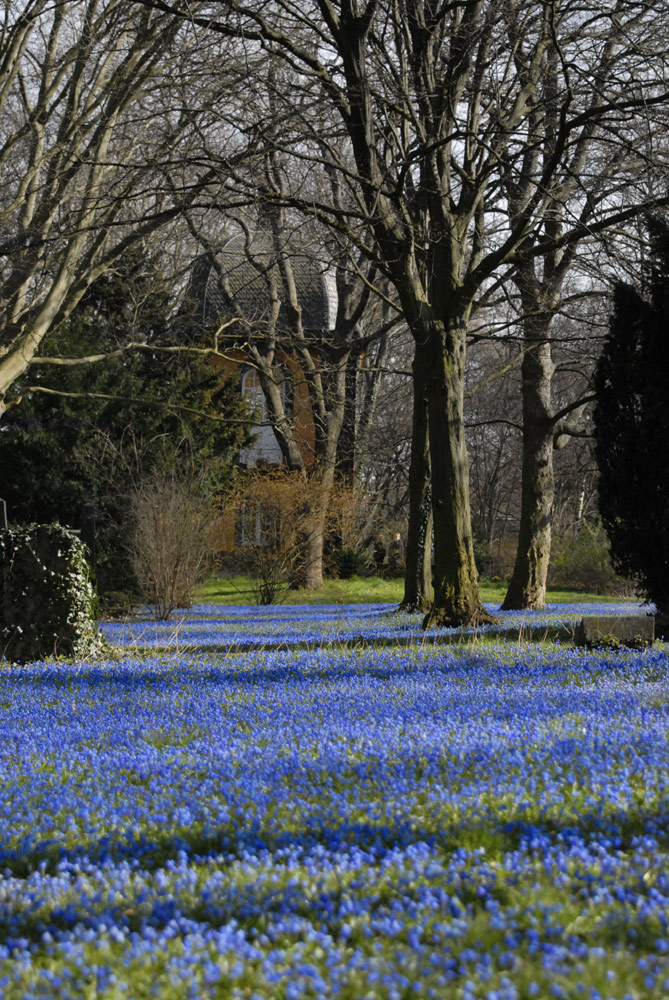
(527, 588)
(456, 593)
(418, 590)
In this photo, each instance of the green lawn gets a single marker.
(358, 590)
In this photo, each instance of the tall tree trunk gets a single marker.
(328, 407)
(346, 446)
(418, 590)
(456, 592)
(322, 482)
(527, 588)
(313, 579)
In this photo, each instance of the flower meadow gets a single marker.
(247, 627)
(476, 821)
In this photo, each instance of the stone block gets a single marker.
(615, 630)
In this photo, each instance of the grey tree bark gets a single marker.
(596, 167)
(527, 587)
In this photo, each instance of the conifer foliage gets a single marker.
(632, 425)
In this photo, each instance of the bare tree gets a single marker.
(97, 152)
(432, 110)
(607, 65)
(493, 422)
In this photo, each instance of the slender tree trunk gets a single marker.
(322, 483)
(346, 446)
(330, 420)
(314, 553)
(456, 592)
(527, 588)
(418, 590)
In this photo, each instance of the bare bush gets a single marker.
(172, 539)
(270, 512)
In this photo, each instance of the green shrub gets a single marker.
(48, 606)
(582, 562)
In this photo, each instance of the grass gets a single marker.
(358, 590)
(361, 590)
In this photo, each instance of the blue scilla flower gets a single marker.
(251, 805)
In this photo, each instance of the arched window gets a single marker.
(252, 392)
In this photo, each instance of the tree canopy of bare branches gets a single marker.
(98, 151)
(435, 115)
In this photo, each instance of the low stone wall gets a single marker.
(634, 631)
(48, 604)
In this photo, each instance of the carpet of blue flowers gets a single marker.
(252, 626)
(483, 821)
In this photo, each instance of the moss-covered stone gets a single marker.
(635, 631)
(48, 605)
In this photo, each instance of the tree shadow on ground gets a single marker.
(253, 901)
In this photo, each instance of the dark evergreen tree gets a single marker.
(632, 425)
(58, 453)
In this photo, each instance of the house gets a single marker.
(272, 307)
(263, 298)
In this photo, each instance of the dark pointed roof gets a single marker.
(237, 278)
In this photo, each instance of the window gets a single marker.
(265, 449)
(256, 526)
(252, 392)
